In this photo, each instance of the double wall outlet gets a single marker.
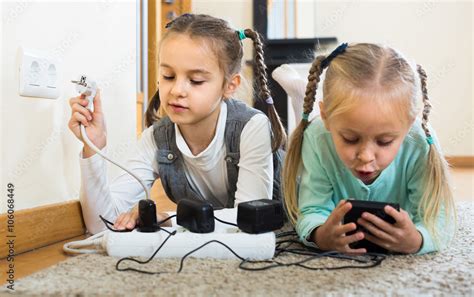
(38, 75)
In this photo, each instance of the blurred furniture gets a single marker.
(283, 51)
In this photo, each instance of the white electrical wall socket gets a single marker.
(38, 74)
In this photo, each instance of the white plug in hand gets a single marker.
(88, 88)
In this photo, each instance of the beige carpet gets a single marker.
(447, 273)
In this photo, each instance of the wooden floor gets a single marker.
(30, 262)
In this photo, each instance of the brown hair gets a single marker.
(229, 49)
(363, 68)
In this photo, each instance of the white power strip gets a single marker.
(131, 244)
(252, 246)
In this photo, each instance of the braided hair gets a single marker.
(358, 67)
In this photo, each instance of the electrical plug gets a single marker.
(88, 88)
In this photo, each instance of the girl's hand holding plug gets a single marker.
(93, 122)
(402, 237)
(331, 236)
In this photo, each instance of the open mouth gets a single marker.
(365, 175)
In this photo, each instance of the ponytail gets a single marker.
(154, 111)
(279, 135)
(293, 155)
(438, 193)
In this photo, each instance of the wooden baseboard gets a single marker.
(41, 226)
(461, 161)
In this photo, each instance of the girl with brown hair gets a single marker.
(204, 145)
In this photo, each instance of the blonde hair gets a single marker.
(361, 69)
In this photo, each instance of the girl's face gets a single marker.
(191, 83)
(367, 138)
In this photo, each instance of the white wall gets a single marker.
(97, 38)
(237, 12)
(437, 34)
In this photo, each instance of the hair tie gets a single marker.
(269, 100)
(339, 50)
(305, 116)
(429, 139)
(241, 34)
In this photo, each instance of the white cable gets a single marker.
(74, 247)
(96, 149)
(88, 88)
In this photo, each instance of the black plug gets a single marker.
(147, 221)
(260, 216)
(195, 215)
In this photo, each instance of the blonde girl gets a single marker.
(369, 145)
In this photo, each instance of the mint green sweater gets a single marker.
(325, 181)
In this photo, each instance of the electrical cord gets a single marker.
(107, 223)
(224, 222)
(288, 239)
(371, 259)
(74, 247)
(285, 234)
(97, 150)
(142, 262)
(165, 220)
(181, 264)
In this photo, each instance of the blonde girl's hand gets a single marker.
(93, 122)
(129, 220)
(402, 237)
(332, 234)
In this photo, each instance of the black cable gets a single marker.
(295, 240)
(376, 261)
(375, 258)
(224, 222)
(311, 253)
(152, 256)
(274, 264)
(203, 245)
(168, 218)
(143, 262)
(161, 222)
(284, 234)
(106, 223)
(278, 249)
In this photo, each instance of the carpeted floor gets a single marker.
(447, 273)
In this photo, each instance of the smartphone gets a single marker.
(373, 207)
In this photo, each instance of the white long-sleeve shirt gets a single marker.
(206, 171)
